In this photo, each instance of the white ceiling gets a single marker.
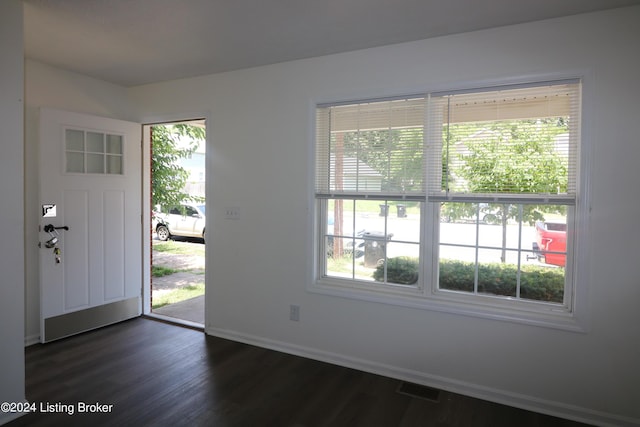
(133, 42)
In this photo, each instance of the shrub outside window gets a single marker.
(463, 196)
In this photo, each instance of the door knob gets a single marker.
(50, 228)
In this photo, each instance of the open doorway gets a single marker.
(177, 238)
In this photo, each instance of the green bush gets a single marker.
(401, 270)
(536, 282)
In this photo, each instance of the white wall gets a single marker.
(260, 141)
(11, 215)
(47, 86)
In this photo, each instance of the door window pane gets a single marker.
(114, 144)
(74, 140)
(95, 142)
(75, 162)
(114, 165)
(95, 163)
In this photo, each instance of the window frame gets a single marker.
(427, 295)
(354, 283)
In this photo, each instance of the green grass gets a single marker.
(344, 265)
(179, 248)
(160, 271)
(178, 295)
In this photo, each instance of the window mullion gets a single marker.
(476, 272)
(519, 271)
(353, 239)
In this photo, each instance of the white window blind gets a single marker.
(515, 143)
(371, 149)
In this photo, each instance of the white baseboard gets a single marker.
(31, 340)
(529, 403)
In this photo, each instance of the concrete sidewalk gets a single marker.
(191, 310)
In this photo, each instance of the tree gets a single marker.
(396, 154)
(514, 157)
(170, 143)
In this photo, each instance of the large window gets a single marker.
(467, 197)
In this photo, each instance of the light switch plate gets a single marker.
(232, 213)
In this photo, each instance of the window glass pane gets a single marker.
(457, 253)
(75, 162)
(517, 141)
(114, 144)
(401, 226)
(114, 165)
(403, 262)
(492, 213)
(95, 163)
(457, 275)
(341, 246)
(340, 217)
(95, 142)
(488, 256)
(401, 270)
(401, 249)
(510, 259)
(523, 156)
(74, 140)
(495, 278)
(371, 215)
(542, 283)
(491, 237)
(340, 264)
(458, 223)
(373, 147)
(362, 235)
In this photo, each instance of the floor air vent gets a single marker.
(419, 391)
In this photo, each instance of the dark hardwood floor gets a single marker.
(156, 374)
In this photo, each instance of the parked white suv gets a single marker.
(185, 220)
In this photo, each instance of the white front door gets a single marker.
(90, 226)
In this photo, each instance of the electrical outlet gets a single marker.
(294, 313)
(232, 213)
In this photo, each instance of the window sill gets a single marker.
(532, 314)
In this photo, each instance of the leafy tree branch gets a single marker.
(170, 143)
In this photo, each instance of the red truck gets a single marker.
(550, 246)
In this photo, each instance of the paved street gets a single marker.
(406, 234)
